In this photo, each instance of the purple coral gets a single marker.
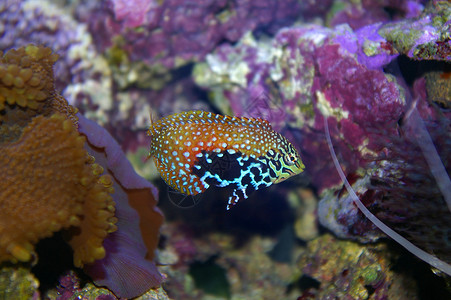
(312, 73)
(363, 13)
(81, 75)
(328, 64)
(127, 269)
(424, 37)
(173, 32)
(23, 25)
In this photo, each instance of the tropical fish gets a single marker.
(194, 150)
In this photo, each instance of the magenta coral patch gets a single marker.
(132, 14)
(367, 95)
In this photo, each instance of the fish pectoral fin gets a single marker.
(234, 198)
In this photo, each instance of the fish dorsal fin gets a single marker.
(152, 127)
(181, 118)
(199, 116)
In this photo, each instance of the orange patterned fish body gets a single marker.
(194, 150)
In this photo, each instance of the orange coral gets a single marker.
(48, 181)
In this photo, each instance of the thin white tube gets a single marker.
(430, 259)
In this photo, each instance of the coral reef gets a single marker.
(172, 33)
(298, 78)
(426, 37)
(146, 43)
(306, 205)
(106, 89)
(82, 75)
(308, 73)
(18, 283)
(43, 138)
(438, 86)
(131, 118)
(294, 63)
(358, 14)
(43, 207)
(70, 288)
(44, 143)
(347, 270)
(401, 189)
(211, 266)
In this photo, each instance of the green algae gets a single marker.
(17, 283)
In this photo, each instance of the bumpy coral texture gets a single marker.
(48, 180)
(81, 74)
(347, 270)
(174, 32)
(27, 89)
(309, 73)
(26, 80)
(18, 283)
(426, 37)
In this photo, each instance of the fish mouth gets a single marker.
(280, 179)
(287, 173)
(297, 168)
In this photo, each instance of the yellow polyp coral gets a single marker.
(25, 179)
(26, 77)
(99, 221)
(48, 181)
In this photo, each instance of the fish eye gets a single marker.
(290, 159)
